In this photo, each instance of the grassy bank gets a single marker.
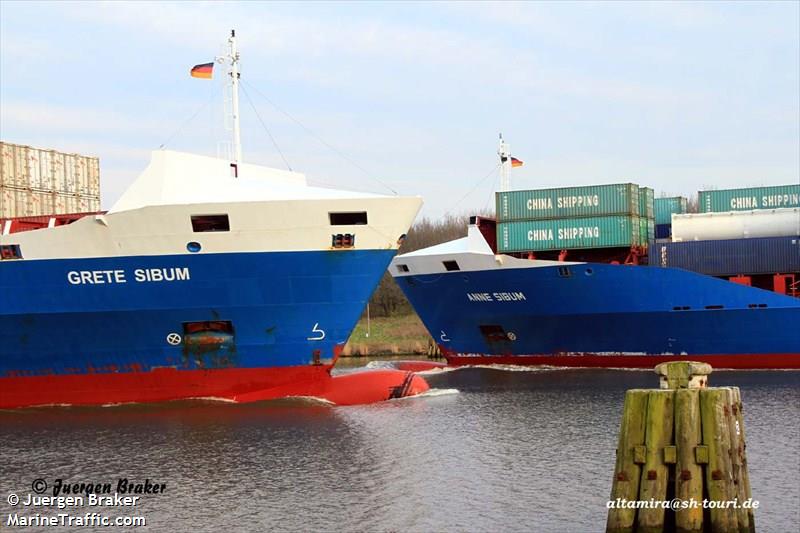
(388, 335)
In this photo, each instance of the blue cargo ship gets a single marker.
(209, 278)
(485, 307)
(195, 284)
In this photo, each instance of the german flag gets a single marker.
(202, 71)
(516, 162)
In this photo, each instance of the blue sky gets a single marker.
(677, 96)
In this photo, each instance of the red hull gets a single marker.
(738, 361)
(234, 384)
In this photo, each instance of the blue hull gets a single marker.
(603, 309)
(283, 309)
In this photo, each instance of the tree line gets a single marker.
(388, 299)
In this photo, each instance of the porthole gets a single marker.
(194, 247)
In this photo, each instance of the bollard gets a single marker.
(681, 443)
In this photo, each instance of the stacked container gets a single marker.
(739, 232)
(646, 214)
(775, 197)
(664, 209)
(732, 257)
(596, 216)
(35, 182)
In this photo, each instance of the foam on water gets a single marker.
(391, 365)
(381, 364)
(211, 399)
(517, 368)
(435, 371)
(309, 399)
(433, 393)
(430, 393)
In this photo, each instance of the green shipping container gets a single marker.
(591, 200)
(647, 231)
(665, 207)
(568, 234)
(646, 199)
(749, 199)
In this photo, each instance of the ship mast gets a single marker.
(504, 151)
(233, 57)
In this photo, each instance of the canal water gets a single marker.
(488, 450)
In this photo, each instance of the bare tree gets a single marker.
(388, 299)
(693, 204)
(427, 232)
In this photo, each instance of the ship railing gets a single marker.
(29, 223)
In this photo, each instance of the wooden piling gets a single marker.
(630, 457)
(688, 433)
(741, 480)
(688, 473)
(745, 473)
(655, 474)
(719, 476)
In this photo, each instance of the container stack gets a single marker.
(776, 197)
(574, 218)
(647, 214)
(664, 209)
(751, 236)
(35, 182)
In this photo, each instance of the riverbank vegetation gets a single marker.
(393, 326)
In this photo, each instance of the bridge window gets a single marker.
(357, 218)
(451, 265)
(10, 251)
(205, 223)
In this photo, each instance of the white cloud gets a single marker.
(64, 118)
(420, 98)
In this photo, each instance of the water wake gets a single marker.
(381, 364)
(430, 393)
(436, 371)
(309, 399)
(519, 368)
